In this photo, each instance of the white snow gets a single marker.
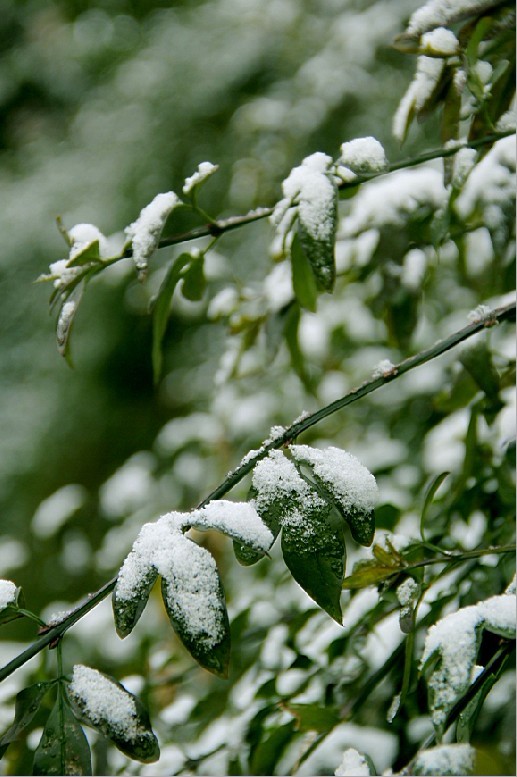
(64, 322)
(104, 701)
(439, 13)
(82, 236)
(348, 480)
(7, 593)
(276, 477)
(445, 759)
(384, 369)
(62, 274)
(310, 187)
(407, 592)
(55, 511)
(363, 155)
(428, 73)
(204, 171)
(479, 314)
(145, 232)
(491, 182)
(239, 520)
(455, 639)
(440, 41)
(353, 764)
(413, 269)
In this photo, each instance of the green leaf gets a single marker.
(127, 611)
(430, 492)
(194, 281)
(194, 600)
(314, 552)
(368, 572)
(293, 344)
(245, 555)
(320, 251)
(450, 126)
(105, 705)
(160, 309)
(303, 278)
(267, 753)
(26, 706)
(477, 360)
(65, 322)
(90, 253)
(63, 748)
(314, 717)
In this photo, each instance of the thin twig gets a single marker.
(57, 631)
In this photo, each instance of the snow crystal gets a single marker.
(363, 155)
(455, 638)
(7, 593)
(445, 759)
(479, 314)
(349, 480)
(238, 519)
(104, 701)
(440, 41)
(204, 171)
(353, 764)
(310, 187)
(145, 232)
(438, 13)
(428, 73)
(384, 369)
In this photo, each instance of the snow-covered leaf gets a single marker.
(194, 600)
(194, 281)
(238, 520)
(63, 748)
(144, 233)
(203, 172)
(348, 483)
(65, 322)
(106, 705)
(407, 594)
(354, 764)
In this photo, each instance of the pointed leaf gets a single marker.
(65, 322)
(431, 490)
(63, 748)
(160, 309)
(246, 555)
(477, 360)
(85, 255)
(314, 552)
(314, 717)
(194, 599)
(194, 281)
(26, 706)
(107, 706)
(303, 278)
(128, 605)
(368, 572)
(348, 485)
(319, 250)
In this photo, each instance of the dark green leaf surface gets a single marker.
(194, 281)
(303, 278)
(127, 612)
(63, 748)
(26, 707)
(160, 309)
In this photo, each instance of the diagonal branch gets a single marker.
(55, 632)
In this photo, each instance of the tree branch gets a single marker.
(55, 632)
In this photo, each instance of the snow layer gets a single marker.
(439, 13)
(440, 41)
(104, 701)
(353, 764)
(204, 171)
(239, 520)
(7, 593)
(363, 155)
(349, 480)
(445, 759)
(428, 73)
(145, 232)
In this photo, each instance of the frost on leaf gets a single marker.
(311, 192)
(144, 233)
(451, 647)
(349, 484)
(445, 760)
(108, 707)
(312, 546)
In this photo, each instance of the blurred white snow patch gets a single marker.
(133, 683)
(478, 250)
(379, 745)
(290, 681)
(413, 268)
(316, 635)
(189, 468)
(171, 762)
(274, 653)
(129, 487)
(186, 429)
(444, 446)
(353, 764)
(468, 533)
(278, 287)
(358, 606)
(76, 553)
(419, 728)
(55, 511)
(492, 181)
(382, 641)
(224, 303)
(333, 385)
(356, 252)
(177, 713)
(313, 335)
(13, 554)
